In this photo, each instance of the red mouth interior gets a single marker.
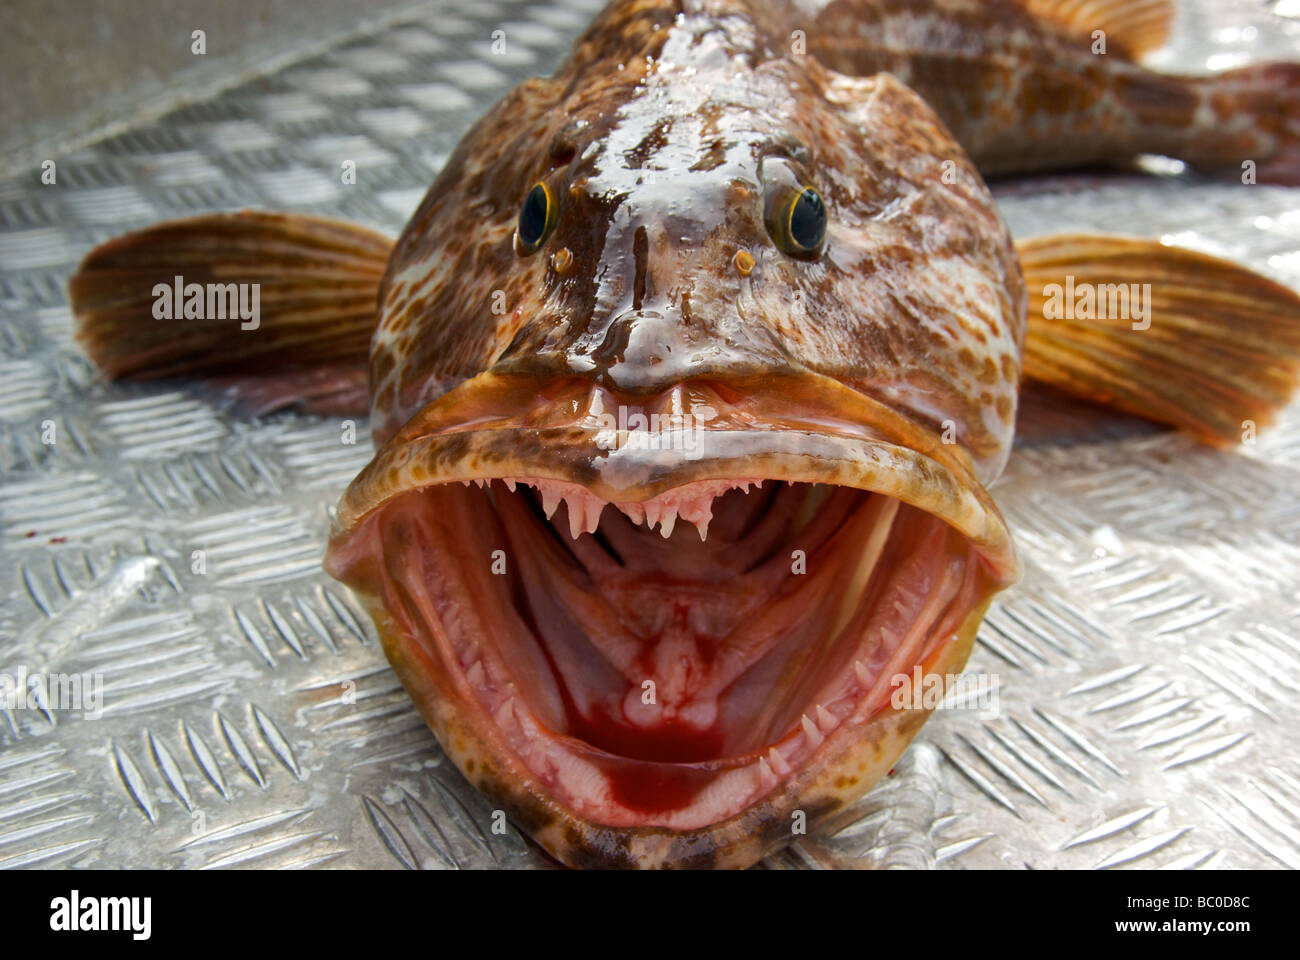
(643, 679)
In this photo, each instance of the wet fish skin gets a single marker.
(1030, 85)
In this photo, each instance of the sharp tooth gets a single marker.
(550, 500)
(594, 509)
(505, 715)
(633, 511)
(464, 483)
(864, 676)
(577, 514)
(475, 674)
(811, 733)
(668, 520)
(698, 511)
(510, 484)
(652, 510)
(766, 778)
(826, 720)
(778, 762)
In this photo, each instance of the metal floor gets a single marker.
(1148, 665)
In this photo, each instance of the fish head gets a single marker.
(690, 376)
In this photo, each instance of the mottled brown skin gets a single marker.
(1021, 93)
(661, 281)
(659, 176)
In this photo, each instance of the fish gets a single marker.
(690, 375)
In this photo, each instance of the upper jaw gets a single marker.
(804, 428)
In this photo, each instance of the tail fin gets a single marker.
(1166, 333)
(234, 298)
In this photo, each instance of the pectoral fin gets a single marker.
(278, 307)
(1166, 333)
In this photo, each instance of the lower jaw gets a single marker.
(590, 806)
(846, 768)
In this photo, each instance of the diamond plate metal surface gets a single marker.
(1148, 666)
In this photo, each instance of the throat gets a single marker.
(679, 650)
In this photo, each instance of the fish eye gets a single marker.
(795, 213)
(807, 221)
(536, 219)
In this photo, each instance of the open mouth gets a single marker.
(664, 653)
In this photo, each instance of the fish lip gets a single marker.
(798, 425)
(634, 473)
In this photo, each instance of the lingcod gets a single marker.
(690, 373)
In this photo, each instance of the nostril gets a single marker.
(641, 257)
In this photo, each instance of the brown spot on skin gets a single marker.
(1010, 369)
(588, 852)
(1004, 408)
(706, 859)
(744, 262)
(530, 817)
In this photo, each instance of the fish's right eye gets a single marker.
(794, 212)
(536, 219)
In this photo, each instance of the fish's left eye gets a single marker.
(536, 219)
